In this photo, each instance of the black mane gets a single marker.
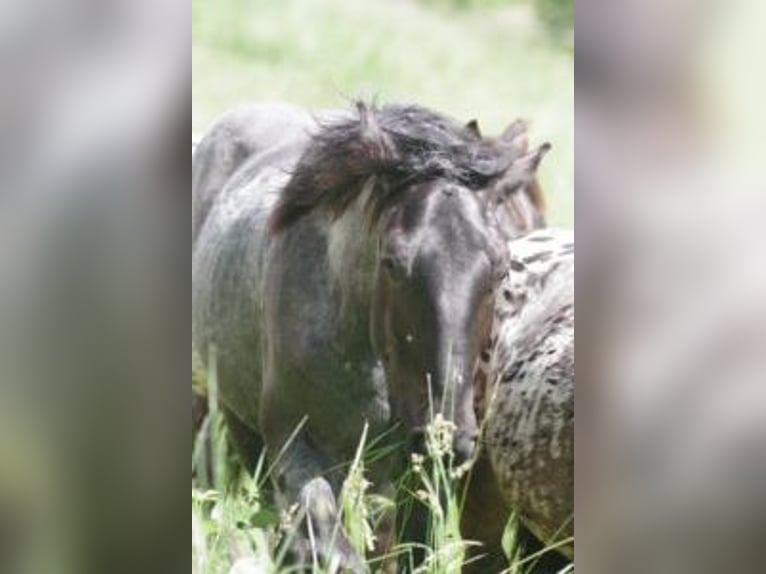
(397, 146)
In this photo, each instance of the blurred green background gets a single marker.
(494, 60)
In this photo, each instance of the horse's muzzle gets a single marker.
(464, 446)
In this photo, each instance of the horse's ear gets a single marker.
(515, 135)
(530, 161)
(521, 174)
(507, 212)
(473, 127)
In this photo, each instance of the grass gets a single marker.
(237, 528)
(494, 62)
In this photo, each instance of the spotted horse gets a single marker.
(524, 385)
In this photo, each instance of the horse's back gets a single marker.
(238, 137)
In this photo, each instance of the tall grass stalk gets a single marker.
(353, 504)
(439, 491)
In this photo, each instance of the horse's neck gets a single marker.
(536, 261)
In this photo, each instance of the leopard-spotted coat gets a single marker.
(525, 385)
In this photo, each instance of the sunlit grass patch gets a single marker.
(238, 529)
(235, 528)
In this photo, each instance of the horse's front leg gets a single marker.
(322, 538)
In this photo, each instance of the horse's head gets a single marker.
(441, 201)
(440, 251)
(432, 305)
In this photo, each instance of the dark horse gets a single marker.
(342, 265)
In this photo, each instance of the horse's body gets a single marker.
(239, 169)
(526, 396)
(319, 259)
